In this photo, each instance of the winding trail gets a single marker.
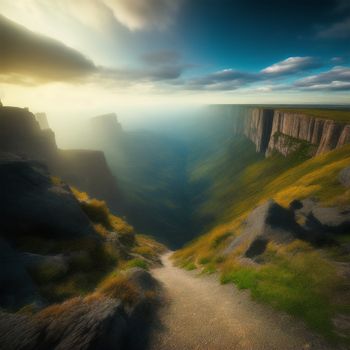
(201, 314)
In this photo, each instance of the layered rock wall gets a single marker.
(274, 130)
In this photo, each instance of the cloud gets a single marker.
(292, 65)
(226, 79)
(340, 30)
(230, 79)
(32, 58)
(161, 57)
(144, 14)
(29, 58)
(338, 78)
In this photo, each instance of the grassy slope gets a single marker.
(93, 261)
(295, 278)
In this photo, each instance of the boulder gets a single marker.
(16, 286)
(268, 222)
(79, 323)
(344, 177)
(324, 220)
(31, 204)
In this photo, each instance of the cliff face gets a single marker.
(24, 134)
(285, 132)
(324, 134)
(258, 127)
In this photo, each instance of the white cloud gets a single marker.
(338, 78)
(292, 65)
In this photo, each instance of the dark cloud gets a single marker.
(339, 30)
(28, 58)
(32, 58)
(336, 79)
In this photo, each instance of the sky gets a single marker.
(86, 57)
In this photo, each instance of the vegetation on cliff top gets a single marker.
(338, 115)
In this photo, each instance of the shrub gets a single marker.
(145, 251)
(205, 260)
(97, 211)
(101, 230)
(119, 287)
(137, 263)
(220, 239)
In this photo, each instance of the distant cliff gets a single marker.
(285, 131)
(27, 135)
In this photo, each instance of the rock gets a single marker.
(322, 220)
(41, 118)
(58, 264)
(31, 204)
(80, 324)
(268, 222)
(344, 177)
(27, 135)
(336, 219)
(16, 287)
(142, 279)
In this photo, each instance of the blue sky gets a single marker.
(128, 52)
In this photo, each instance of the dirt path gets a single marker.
(202, 314)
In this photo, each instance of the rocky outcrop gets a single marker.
(20, 133)
(88, 171)
(16, 286)
(94, 322)
(27, 135)
(305, 220)
(42, 120)
(268, 222)
(32, 204)
(344, 177)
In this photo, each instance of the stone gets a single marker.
(79, 323)
(344, 177)
(31, 204)
(16, 286)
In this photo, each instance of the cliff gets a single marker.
(324, 134)
(27, 135)
(42, 120)
(285, 131)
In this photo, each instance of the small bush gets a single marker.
(101, 230)
(97, 211)
(189, 266)
(137, 263)
(119, 287)
(220, 239)
(204, 260)
(145, 251)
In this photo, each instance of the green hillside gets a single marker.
(295, 277)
